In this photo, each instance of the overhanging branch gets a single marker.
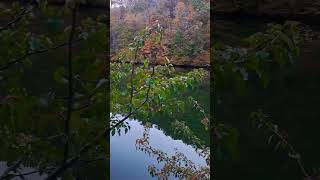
(23, 57)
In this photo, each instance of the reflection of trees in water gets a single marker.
(177, 165)
(191, 118)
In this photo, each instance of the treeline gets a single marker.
(185, 22)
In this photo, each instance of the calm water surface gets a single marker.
(127, 162)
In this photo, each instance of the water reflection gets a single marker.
(129, 162)
(25, 172)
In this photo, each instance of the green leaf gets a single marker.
(59, 75)
(146, 63)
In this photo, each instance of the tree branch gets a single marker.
(18, 18)
(58, 171)
(40, 51)
(14, 166)
(70, 82)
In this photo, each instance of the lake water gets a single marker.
(291, 99)
(23, 170)
(128, 162)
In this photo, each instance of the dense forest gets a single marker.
(179, 19)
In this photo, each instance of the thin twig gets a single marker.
(68, 163)
(291, 149)
(14, 166)
(90, 144)
(132, 76)
(40, 51)
(18, 18)
(70, 83)
(28, 173)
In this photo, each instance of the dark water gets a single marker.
(291, 100)
(23, 170)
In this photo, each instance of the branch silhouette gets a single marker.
(40, 51)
